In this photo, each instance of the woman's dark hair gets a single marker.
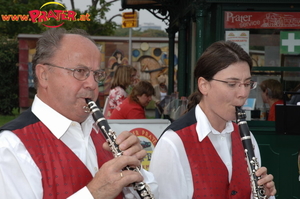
(219, 56)
(215, 58)
(142, 87)
(193, 100)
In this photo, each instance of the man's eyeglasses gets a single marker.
(236, 84)
(82, 73)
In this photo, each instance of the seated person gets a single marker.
(272, 94)
(133, 107)
(295, 99)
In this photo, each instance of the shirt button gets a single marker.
(233, 192)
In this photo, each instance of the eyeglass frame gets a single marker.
(240, 83)
(83, 67)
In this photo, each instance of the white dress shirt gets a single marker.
(170, 165)
(21, 178)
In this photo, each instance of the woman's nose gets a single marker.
(243, 91)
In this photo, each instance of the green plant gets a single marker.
(9, 87)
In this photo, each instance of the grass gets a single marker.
(6, 118)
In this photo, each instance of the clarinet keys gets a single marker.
(257, 190)
(141, 187)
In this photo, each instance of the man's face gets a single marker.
(62, 91)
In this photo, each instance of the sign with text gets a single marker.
(147, 130)
(290, 42)
(239, 37)
(45, 15)
(262, 20)
(130, 19)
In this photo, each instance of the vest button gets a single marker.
(233, 192)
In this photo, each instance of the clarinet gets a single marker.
(257, 190)
(142, 188)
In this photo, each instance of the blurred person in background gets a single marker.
(133, 107)
(295, 98)
(161, 91)
(122, 82)
(272, 94)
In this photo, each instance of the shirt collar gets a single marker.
(54, 121)
(204, 127)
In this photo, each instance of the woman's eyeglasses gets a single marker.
(236, 84)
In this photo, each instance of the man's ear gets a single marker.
(203, 85)
(41, 72)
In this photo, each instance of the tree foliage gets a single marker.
(98, 24)
(8, 75)
(124, 32)
(12, 28)
(9, 85)
(94, 26)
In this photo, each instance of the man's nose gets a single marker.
(90, 82)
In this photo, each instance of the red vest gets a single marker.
(62, 171)
(210, 175)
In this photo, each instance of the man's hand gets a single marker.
(111, 178)
(130, 145)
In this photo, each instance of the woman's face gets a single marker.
(144, 100)
(133, 77)
(264, 96)
(220, 98)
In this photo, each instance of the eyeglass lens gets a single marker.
(83, 73)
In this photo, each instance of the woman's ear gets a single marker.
(41, 71)
(203, 85)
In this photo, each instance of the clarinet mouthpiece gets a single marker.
(87, 100)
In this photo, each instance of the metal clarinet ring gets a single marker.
(86, 109)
